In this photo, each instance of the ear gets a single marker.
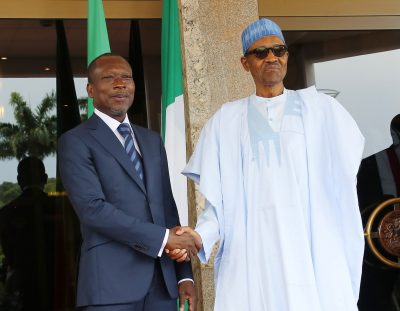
(89, 90)
(245, 63)
(20, 183)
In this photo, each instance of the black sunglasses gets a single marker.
(262, 52)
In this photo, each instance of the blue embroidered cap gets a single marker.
(258, 29)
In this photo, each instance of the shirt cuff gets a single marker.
(183, 280)
(203, 256)
(164, 243)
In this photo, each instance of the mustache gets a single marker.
(274, 65)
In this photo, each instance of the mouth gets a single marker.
(272, 67)
(119, 96)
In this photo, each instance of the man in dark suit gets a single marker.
(377, 181)
(116, 176)
(27, 240)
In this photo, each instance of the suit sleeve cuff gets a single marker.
(164, 243)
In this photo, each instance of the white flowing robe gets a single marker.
(282, 249)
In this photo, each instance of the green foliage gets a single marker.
(35, 132)
(8, 192)
(51, 185)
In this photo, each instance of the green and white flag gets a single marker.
(97, 36)
(173, 117)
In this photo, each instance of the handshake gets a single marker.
(183, 244)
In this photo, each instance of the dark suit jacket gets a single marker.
(27, 239)
(122, 221)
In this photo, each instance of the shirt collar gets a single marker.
(276, 100)
(111, 122)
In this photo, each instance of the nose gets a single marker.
(118, 82)
(270, 57)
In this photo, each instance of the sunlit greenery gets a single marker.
(8, 192)
(35, 131)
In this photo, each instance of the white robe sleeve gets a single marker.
(208, 228)
(204, 169)
(334, 150)
(349, 144)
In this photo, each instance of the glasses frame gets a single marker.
(276, 50)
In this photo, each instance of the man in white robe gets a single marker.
(278, 172)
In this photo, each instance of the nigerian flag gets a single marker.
(173, 117)
(97, 36)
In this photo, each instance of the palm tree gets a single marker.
(35, 132)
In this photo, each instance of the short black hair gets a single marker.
(31, 171)
(395, 124)
(92, 66)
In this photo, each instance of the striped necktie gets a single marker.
(125, 130)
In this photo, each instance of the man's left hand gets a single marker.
(187, 292)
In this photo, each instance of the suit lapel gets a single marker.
(105, 137)
(151, 164)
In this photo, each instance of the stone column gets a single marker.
(213, 75)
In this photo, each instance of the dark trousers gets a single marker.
(157, 298)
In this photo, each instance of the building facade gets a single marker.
(321, 35)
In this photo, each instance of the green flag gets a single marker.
(173, 117)
(97, 36)
(172, 112)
